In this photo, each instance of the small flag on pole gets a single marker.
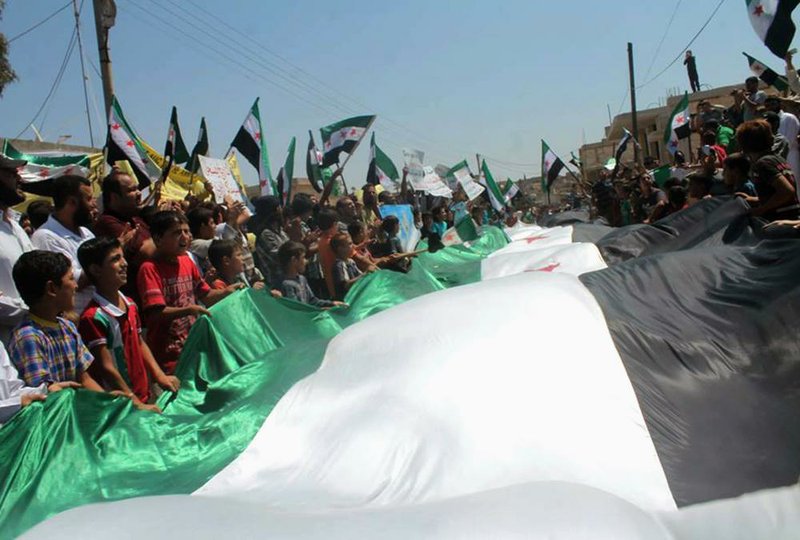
(249, 141)
(200, 147)
(677, 128)
(551, 167)
(343, 136)
(286, 174)
(767, 75)
(381, 169)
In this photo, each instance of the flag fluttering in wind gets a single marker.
(314, 165)
(175, 146)
(381, 169)
(495, 193)
(124, 145)
(772, 21)
(510, 190)
(677, 128)
(551, 167)
(200, 147)
(343, 136)
(249, 141)
(575, 160)
(770, 77)
(623, 145)
(286, 174)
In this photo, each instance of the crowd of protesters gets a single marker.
(101, 292)
(749, 150)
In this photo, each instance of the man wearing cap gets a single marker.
(13, 243)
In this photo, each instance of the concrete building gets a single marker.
(652, 128)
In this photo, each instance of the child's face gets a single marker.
(114, 270)
(236, 262)
(175, 241)
(358, 237)
(299, 263)
(207, 230)
(64, 298)
(344, 249)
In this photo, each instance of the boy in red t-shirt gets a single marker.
(111, 328)
(170, 287)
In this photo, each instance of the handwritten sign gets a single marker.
(218, 173)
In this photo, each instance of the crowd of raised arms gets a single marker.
(105, 299)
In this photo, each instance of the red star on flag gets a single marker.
(130, 143)
(533, 239)
(114, 126)
(353, 132)
(679, 119)
(759, 10)
(45, 173)
(257, 135)
(547, 164)
(549, 268)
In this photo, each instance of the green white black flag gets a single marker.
(343, 136)
(381, 169)
(551, 167)
(200, 148)
(772, 21)
(678, 126)
(286, 174)
(123, 145)
(175, 146)
(249, 141)
(763, 72)
(495, 193)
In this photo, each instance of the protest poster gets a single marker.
(217, 172)
(409, 234)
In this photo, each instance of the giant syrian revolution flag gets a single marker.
(249, 141)
(772, 21)
(551, 167)
(123, 144)
(381, 169)
(678, 126)
(343, 136)
(598, 374)
(763, 72)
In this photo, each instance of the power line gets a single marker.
(40, 23)
(248, 71)
(702, 28)
(56, 81)
(83, 66)
(663, 38)
(320, 82)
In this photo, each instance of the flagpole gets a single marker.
(350, 154)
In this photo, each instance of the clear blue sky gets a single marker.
(449, 77)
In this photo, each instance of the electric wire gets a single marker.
(40, 23)
(59, 75)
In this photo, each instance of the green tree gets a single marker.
(7, 74)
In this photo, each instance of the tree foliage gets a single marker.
(7, 74)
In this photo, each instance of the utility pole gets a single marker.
(634, 121)
(105, 13)
(76, 12)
